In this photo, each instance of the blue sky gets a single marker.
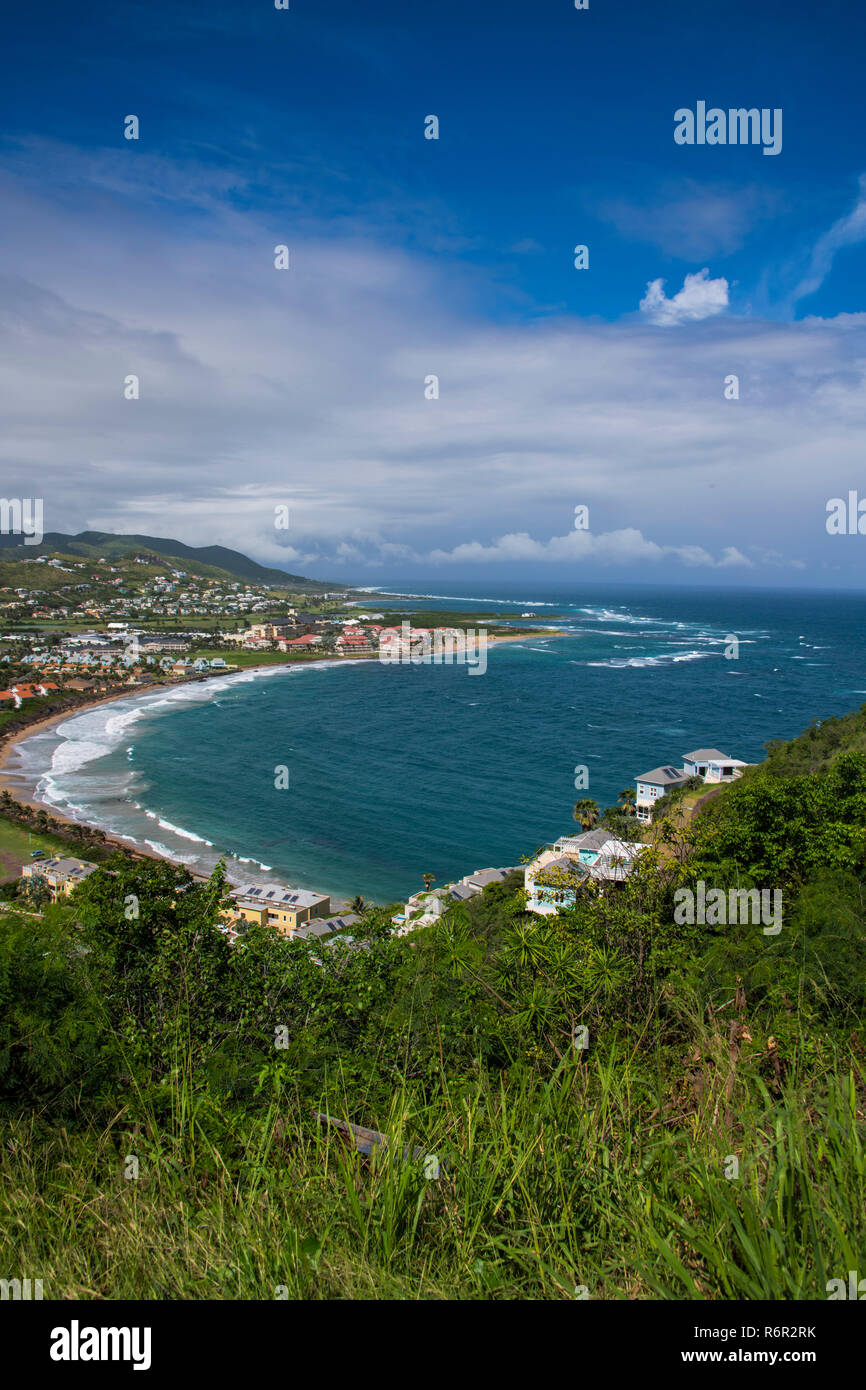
(452, 257)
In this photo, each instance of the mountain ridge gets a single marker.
(90, 544)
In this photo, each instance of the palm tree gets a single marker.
(357, 904)
(428, 879)
(626, 800)
(586, 812)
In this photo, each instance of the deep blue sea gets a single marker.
(395, 771)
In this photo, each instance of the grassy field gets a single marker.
(242, 659)
(16, 842)
(39, 708)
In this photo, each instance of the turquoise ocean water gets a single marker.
(395, 771)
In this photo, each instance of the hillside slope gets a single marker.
(93, 544)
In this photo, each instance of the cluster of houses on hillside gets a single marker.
(551, 878)
(105, 591)
(599, 855)
(706, 763)
(423, 909)
(293, 912)
(120, 646)
(596, 855)
(16, 694)
(128, 652)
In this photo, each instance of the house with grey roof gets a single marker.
(652, 785)
(326, 926)
(712, 765)
(61, 873)
(461, 892)
(552, 878)
(274, 906)
(482, 878)
(423, 909)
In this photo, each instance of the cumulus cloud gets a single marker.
(699, 298)
(610, 547)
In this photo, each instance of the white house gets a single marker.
(550, 879)
(423, 909)
(707, 763)
(712, 765)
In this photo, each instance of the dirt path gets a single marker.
(689, 812)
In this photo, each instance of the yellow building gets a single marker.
(285, 909)
(61, 874)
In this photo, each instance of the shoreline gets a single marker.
(9, 742)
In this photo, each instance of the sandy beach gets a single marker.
(8, 742)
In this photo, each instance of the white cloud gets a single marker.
(732, 557)
(611, 547)
(847, 231)
(699, 298)
(689, 219)
(262, 388)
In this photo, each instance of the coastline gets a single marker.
(9, 742)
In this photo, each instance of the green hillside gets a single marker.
(214, 560)
(821, 744)
(611, 1102)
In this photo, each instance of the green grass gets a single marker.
(17, 839)
(544, 1189)
(683, 1156)
(263, 658)
(39, 708)
(16, 842)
